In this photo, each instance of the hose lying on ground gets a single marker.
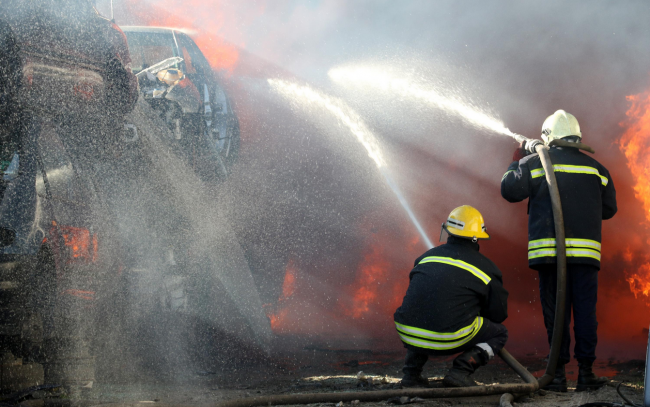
(628, 401)
(532, 384)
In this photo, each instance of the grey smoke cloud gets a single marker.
(525, 58)
(521, 60)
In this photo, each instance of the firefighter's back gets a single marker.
(448, 288)
(588, 196)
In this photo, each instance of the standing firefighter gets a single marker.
(455, 303)
(588, 196)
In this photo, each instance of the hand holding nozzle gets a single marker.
(520, 152)
(526, 147)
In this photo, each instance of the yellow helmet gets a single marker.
(466, 222)
(559, 125)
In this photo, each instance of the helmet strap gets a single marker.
(474, 239)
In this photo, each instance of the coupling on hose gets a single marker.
(531, 144)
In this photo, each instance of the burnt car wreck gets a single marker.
(66, 86)
(87, 211)
(177, 81)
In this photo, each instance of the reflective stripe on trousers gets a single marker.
(423, 338)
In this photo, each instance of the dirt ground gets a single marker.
(313, 369)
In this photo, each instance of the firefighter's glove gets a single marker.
(520, 152)
(531, 144)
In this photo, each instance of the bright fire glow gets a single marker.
(79, 244)
(640, 281)
(635, 144)
(309, 98)
(384, 81)
(278, 316)
(378, 285)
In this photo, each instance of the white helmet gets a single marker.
(559, 125)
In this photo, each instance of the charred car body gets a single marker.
(187, 287)
(177, 81)
(66, 86)
(75, 131)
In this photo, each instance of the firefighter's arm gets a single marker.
(609, 199)
(496, 309)
(515, 183)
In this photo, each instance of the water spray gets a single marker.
(307, 97)
(383, 80)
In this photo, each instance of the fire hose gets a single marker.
(508, 391)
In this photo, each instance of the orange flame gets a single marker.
(379, 286)
(373, 271)
(635, 145)
(278, 317)
(289, 284)
(640, 281)
(79, 245)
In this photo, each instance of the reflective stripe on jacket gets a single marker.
(587, 194)
(452, 289)
(574, 248)
(572, 169)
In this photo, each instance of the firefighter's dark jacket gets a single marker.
(587, 194)
(452, 288)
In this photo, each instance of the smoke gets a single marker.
(519, 61)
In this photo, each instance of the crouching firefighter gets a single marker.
(588, 196)
(455, 303)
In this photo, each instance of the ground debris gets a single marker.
(404, 400)
(326, 376)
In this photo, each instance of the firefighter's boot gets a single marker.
(587, 380)
(559, 382)
(414, 381)
(464, 365)
(413, 370)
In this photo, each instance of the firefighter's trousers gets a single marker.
(493, 334)
(581, 297)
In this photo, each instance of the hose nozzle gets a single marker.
(531, 144)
